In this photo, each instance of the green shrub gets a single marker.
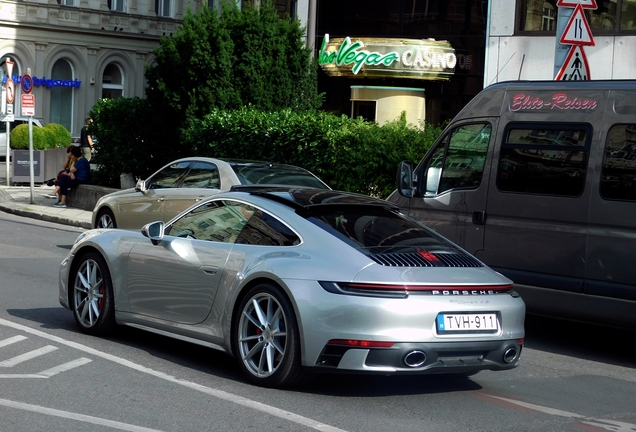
(348, 154)
(61, 135)
(47, 137)
(20, 138)
(133, 136)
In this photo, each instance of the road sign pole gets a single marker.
(561, 51)
(9, 69)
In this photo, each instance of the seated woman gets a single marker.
(66, 169)
(79, 173)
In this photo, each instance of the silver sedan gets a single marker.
(183, 182)
(296, 281)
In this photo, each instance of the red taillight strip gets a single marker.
(428, 287)
(360, 343)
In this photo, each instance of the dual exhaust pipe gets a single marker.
(417, 358)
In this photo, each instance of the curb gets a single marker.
(48, 218)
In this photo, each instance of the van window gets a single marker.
(618, 177)
(544, 159)
(461, 156)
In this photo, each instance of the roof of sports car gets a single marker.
(306, 198)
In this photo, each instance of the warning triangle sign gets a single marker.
(585, 4)
(577, 31)
(575, 67)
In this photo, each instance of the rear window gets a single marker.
(376, 229)
(277, 175)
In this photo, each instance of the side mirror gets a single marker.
(433, 176)
(141, 186)
(404, 179)
(154, 231)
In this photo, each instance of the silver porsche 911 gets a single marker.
(292, 281)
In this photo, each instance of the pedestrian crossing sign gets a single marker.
(575, 67)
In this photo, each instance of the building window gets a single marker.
(66, 2)
(544, 159)
(549, 17)
(112, 82)
(117, 5)
(61, 105)
(163, 8)
(364, 109)
(610, 17)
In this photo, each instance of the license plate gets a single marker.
(460, 322)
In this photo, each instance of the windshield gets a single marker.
(269, 174)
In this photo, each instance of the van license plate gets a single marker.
(467, 322)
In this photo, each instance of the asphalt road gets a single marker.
(52, 378)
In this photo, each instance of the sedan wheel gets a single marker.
(92, 295)
(266, 338)
(105, 219)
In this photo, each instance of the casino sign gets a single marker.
(387, 58)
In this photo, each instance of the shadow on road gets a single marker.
(584, 341)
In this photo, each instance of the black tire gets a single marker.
(92, 300)
(105, 219)
(266, 339)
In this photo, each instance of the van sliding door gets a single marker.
(538, 206)
(453, 184)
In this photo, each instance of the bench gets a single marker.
(85, 196)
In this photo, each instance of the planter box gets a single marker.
(46, 165)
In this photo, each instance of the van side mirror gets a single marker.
(433, 176)
(154, 231)
(404, 180)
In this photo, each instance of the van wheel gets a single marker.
(105, 219)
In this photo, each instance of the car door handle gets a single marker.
(161, 199)
(479, 218)
(209, 270)
(197, 199)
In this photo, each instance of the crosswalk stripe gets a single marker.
(64, 367)
(27, 356)
(11, 340)
(53, 371)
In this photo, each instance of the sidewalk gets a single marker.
(17, 200)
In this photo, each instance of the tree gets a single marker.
(233, 59)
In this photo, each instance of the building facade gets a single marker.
(78, 51)
(522, 38)
(81, 50)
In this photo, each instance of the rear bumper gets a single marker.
(423, 358)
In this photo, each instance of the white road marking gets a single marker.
(74, 416)
(27, 356)
(11, 340)
(610, 425)
(239, 400)
(53, 371)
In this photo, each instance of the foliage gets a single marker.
(47, 137)
(228, 60)
(61, 135)
(348, 154)
(131, 137)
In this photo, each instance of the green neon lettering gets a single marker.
(352, 54)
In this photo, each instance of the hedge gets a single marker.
(348, 154)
